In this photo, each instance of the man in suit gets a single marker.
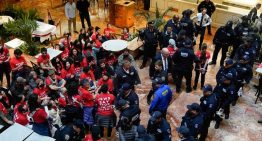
(210, 7)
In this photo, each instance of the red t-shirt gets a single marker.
(40, 116)
(65, 53)
(3, 109)
(89, 75)
(98, 44)
(67, 73)
(43, 59)
(125, 36)
(15, 62)
(108, 31)
(198, 54)
(87, 97)
(49, 81)
(109, 82)
(18, 104)
(41, 92)
(93, 36)
(4, 54)
(21, 118)
(105, 104)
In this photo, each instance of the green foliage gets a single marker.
(30, 49)
(18, 12)
(157, 18)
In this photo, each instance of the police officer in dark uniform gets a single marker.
(126, 74)
(187, 24)
(244, 75)
(241, 30)
(143, 135)
(225, 93)
(128, 94)
(223, 39)
(129, 119)
(208, 104)
(174, 23)
(193, 119)
(210, 7)
(159, 127)
(151, 36)
(184, 134)
(158, 77)
(166, 36)
(183, 60)
(227, 68)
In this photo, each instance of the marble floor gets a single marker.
(242, 124)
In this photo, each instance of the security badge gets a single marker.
(205, 102)
(196, 125)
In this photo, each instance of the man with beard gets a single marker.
(128, 94)
(208, 104)
(193, 120)
(4, 64)
(159, 127)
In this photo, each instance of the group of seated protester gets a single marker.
(75, 93)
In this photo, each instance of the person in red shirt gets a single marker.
(105, 115)
(109, 32)
(125, 34)
(18, 64)
(5, 118)
(4, 64)
(87, 102)
(21, 115)
(44, 61)
(20, 101)
(97, 31)
(41, 90)
(68, 71)
(106, 80)
(201, 68)
(56, 84)
(87, 74)
(99, 41)
(39, 115)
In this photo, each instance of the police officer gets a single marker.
(208, 104)
(128, 94)
(174, 23)
(166, 36)
(126, 74)
(131, 113)
(143, 135)
(184, 134)
(227, 68)
(225, 93)
(245, 74)
(210, 7)
(162, 98)
(159, 77)
(187, 24)
(241, 30)
(223, 39)
(151, 37)
(193, 119)
(159, 127)
(183, 60)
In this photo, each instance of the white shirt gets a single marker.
(165, 63)
(70, 10)
(206, 19)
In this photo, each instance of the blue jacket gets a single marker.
(194, 124)
(162, 98)
(208, 105)
(223, 71)
(244, 71)
(225, 94)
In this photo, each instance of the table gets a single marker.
(115, 45)
(15, 43)
(5, 19)
(36, 137)
(52, 52)
(16, 132)
(44, 31)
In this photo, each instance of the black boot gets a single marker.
(217, 125)
(226, 116)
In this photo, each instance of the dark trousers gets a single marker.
(204, 130)
(201, 31)
(149, 52)
(226, 112)
(203, 76)
(5, 69)
(146, 4)
(83, 17)
(180, 75)
(224, 53)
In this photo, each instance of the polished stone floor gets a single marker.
(242, 124)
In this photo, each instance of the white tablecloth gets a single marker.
(44, 31)
(52, 53)
(15, 43)
(16, 132)
(37, 137)
(115, 45)
(5, 19)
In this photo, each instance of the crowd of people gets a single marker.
(75, 96)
